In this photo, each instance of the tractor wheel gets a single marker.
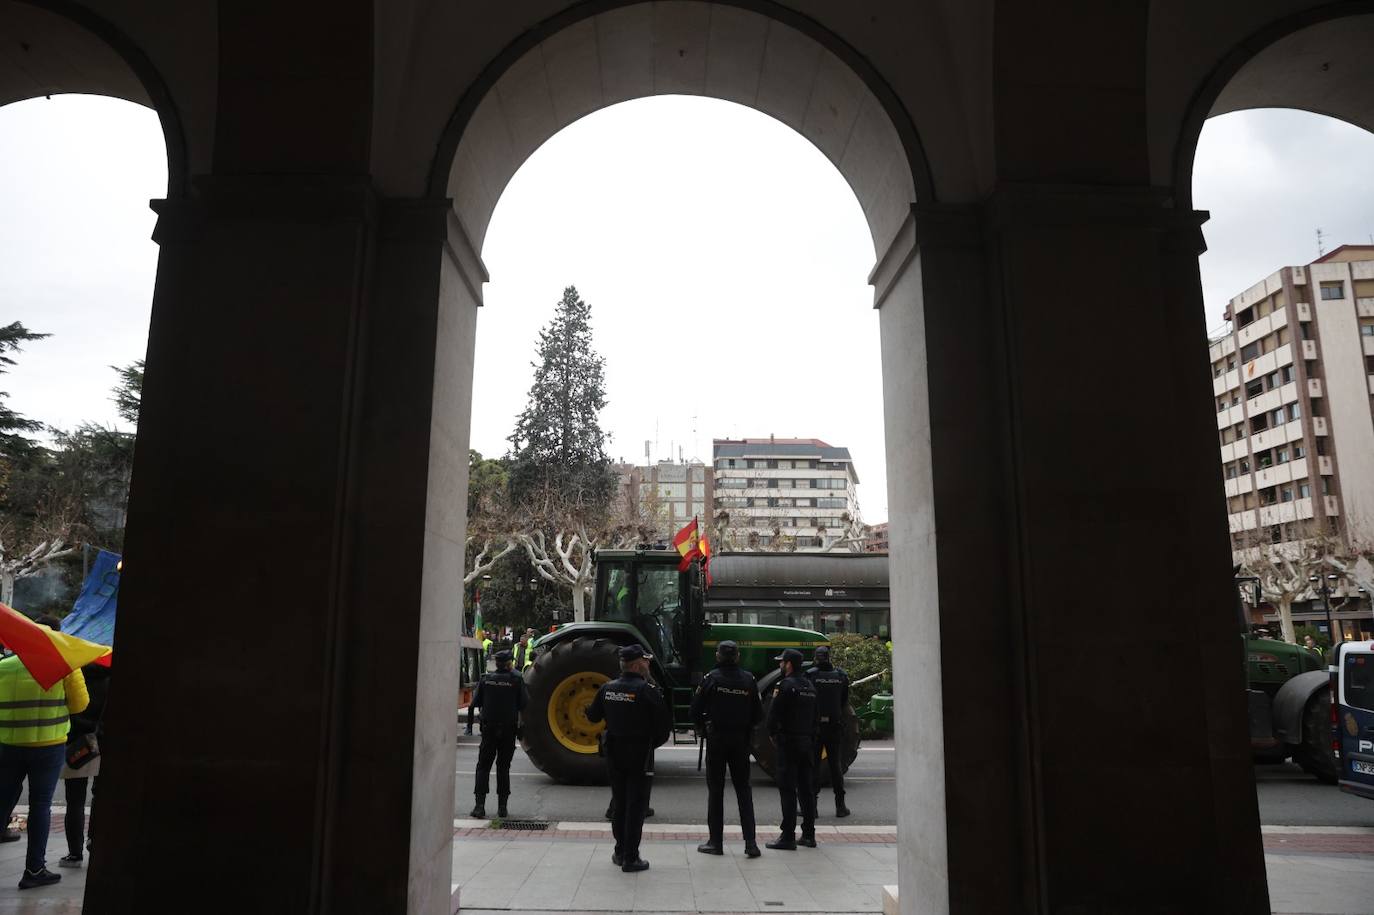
(1314, 754)
(762, 747)
(562, 682)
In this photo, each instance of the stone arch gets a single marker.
(60, 47)
(1315, 60)
(779, 63)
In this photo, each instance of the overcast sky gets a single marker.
(724, 257)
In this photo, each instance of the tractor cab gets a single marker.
(645, 590)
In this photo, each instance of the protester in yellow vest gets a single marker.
(33, 737)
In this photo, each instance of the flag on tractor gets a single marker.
(48, 656)
(477, 616)
(688, 544)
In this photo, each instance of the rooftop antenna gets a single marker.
(647, 462)
(1321, 242)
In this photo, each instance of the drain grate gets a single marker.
(771, 902)
(525, 825)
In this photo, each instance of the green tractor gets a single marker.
(1289, 691)
(641, 596)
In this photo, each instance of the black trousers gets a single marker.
(831, 741)
(728, 751)
(626, 761)
(75, 820)
(498, 745)
(795, 759)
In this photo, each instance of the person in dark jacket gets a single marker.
(638, 719)
(791, 726)
(501, 697)
(726, 708)
(76, 781)
(832, 702)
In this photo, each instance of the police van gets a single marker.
(1354, 714)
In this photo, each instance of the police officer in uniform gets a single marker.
(792, 719)
(501, 697)
(638, 719)
(832, 699)
(726, 707)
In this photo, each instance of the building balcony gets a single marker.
(1234, 450)
(1332, 507)
(1324, 465)
(1242, 521)
(1314, 387)
(1368, 344)
(1304, 311)
(1309, 349)
(1319, 425)
(1364, 306)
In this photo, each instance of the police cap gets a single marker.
(503, 656)
(822, 652)
(634, 652)
(791, 654)
(727, 649)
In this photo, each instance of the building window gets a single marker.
(1221, 404)
(1333, 291)
(1254, 389)
(1230, 471)
(1245, 317)
(1285, 374)
(1306, 328)
(1304, 491)
(1281, 455)
(1272, 380)
(1217, 369)
(1230, 363)
(1267, 496)
(733, 483)
(1263, 460)
(830, 503)
(1283, 336)
(1294, 410)
(1299, 452)
(1251, 352)
(1367, 328)
(1326, 486)
(1286, 494)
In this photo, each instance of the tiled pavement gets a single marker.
(1312, 870)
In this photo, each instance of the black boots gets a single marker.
(710, 848)
(479, 809)
(501, 806)
(783, 843)
(808, 839)
(751, 850)
(840, 809)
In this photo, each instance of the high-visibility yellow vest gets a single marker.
(29, 714)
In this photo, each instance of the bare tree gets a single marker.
(22, 561)
(560, 534)
(1287, 569)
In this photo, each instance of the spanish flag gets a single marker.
(48, 656)
(688, 543)
(704, 547)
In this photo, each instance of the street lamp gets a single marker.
(1325, 591)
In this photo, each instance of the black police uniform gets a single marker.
(832, 698)
(501, 697)
(727, 707)
(792, 726)
(638, 719)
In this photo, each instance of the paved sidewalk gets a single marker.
(1321, 870)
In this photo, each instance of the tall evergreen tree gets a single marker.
(558, 443)
(127, 394)
(14, 443)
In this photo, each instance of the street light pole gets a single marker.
(1325, 590)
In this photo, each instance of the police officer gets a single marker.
(638, 719)
(832, 699)
(501, 697)
(791, 726)
(726, 707)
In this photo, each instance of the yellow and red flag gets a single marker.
(48, 656)
(688, 544)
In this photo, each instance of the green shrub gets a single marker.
(859, 656)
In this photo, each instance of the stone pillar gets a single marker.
(269, 744)
(1085, 738)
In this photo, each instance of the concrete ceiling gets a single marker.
(45, 54)
(683, 48)
(1327, 68)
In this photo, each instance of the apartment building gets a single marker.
(785, 493)
(667, 494)
(876, 539)
(1293, 379)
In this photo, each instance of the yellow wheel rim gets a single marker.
(568, 711)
